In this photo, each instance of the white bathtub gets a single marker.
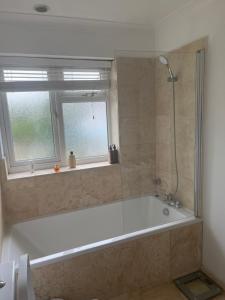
(55, 238)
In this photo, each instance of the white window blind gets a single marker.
(82, 75)
(25, 75)
(94, 75)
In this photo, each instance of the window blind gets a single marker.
(92, 76)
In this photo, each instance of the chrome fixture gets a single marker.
(41, 8)
(171, 201)
(166, 211)
(200, 71)
(164, 61)
(2, 284)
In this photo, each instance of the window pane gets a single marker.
(85, 128)
(31, 125)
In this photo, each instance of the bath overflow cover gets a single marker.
(166, 211)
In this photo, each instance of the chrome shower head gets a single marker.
(164, 60)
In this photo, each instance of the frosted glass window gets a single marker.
(85, 128)
(31, 125)
(46, 112)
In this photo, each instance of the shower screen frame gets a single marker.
(199, 92)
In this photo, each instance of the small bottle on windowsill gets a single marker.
(72, 160)
(113, 154)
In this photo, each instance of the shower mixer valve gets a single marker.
(171, 201)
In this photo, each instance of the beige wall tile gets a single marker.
(186, 158)
(21, 200)
(150, 263)
(186, 101)
(186, 249)
(164, 158)
(163, 129)
(128, 71)
(48, 281)
(108, 272)
(124, 271)
(185, 131)
(131, 181)
(58, 192)
(101, 185)
(147, 186)
(129, 132)
(137, 125)
(147, 130)
(163, 292)
(128, 101)
(163, 96)
(147, 155)
(130, 155)
(54, 193)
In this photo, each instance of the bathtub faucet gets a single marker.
(171, 201)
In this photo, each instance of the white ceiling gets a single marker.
(145, 12)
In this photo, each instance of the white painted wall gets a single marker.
(207, 17)
(58, 36)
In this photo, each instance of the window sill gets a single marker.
(62, 170)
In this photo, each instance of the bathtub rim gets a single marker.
(88, 248)
(186, 211)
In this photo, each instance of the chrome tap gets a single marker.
(171, 201)
(2, 284)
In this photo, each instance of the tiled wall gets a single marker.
(48, 194)
(135, 84)
(133, 109)
(183, 63)
(115, 270)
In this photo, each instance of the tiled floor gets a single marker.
(165, 292)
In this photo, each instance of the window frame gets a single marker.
(78, 99)
(26, 165)
(56, 118)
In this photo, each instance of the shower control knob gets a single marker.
(2, 284)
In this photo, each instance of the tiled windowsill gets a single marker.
(62, 170)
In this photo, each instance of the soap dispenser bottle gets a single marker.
(113, 154)
(72, 160)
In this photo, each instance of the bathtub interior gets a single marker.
(58, 233)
